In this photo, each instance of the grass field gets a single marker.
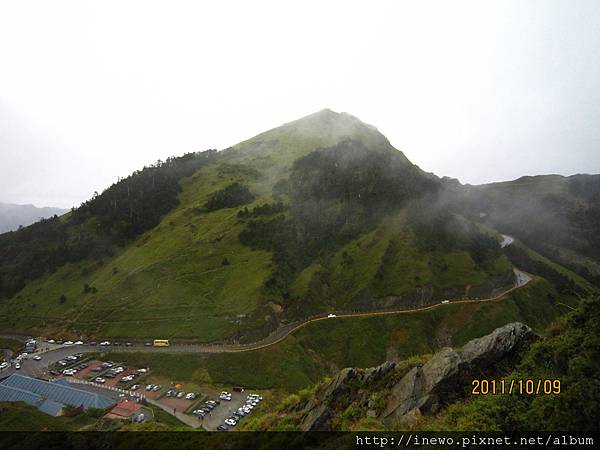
(10, 344)
(324, 347)
(23, 417)
(171, 281)
(191, 278)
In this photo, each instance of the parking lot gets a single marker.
(73, 363)
(83, 374)
(227, 409)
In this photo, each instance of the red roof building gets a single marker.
(124, 410)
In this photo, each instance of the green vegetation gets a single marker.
(169, 283)
(324, 347)
(522, 259)
(23, 417)
(125, 210)
(10, 344)
(204, 267)
(570, 354)
(548, 213)
(336, 194)
(233, 195)
(321, 214)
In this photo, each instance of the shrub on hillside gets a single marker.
(235, 194)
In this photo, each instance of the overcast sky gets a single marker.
(480, 91)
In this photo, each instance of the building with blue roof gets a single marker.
(49, 397)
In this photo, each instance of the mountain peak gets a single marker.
(321, 129)
(329, 117)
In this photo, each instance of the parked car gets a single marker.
(51, 341)
(100, 380)
(156, 387)
(180, 394)
(222, 428)
(17, 366)
(4, 365)
(37, 357)
(69, 343)
(225, 396)
(147, 344)
(190, 396)
(135, 387)
(105, 343)
(231, 422)
(149, 387)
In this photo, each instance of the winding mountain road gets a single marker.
(52, 353)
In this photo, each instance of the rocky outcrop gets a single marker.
(426, 388)
(443, 379)
(319, 411)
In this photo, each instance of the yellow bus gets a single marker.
(161, 342)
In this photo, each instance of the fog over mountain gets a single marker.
(479, 91)
(14, 216)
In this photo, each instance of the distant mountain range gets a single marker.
(13, 216)
(322, 227)
(318, 215)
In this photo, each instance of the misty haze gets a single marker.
(270, 216)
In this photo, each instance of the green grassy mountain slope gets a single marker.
(567, 352)
(319, 214)
(555, 215)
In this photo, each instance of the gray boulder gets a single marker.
(446, 376)
(425, 389)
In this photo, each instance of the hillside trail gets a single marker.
(522, 279)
